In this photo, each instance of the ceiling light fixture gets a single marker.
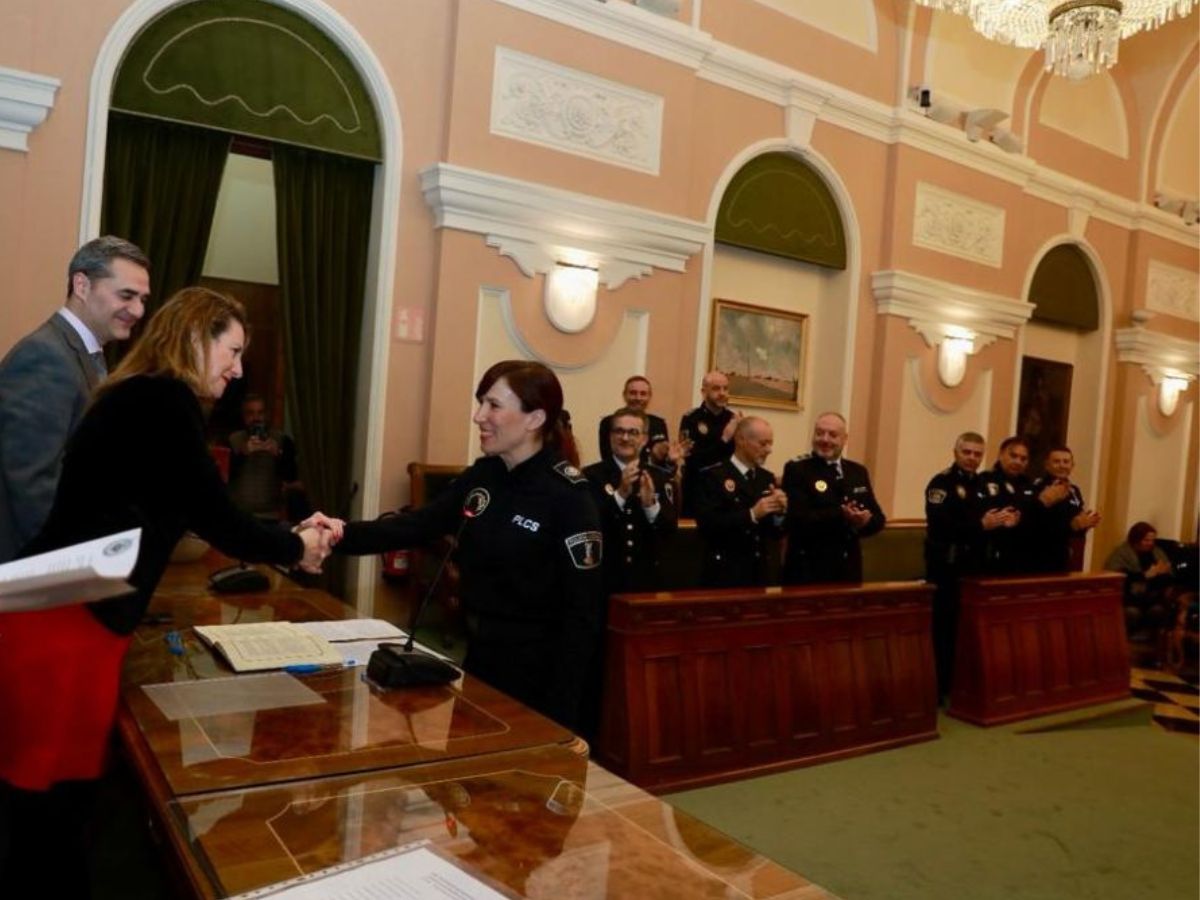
(1080, 37)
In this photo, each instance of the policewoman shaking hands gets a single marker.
(529, 545)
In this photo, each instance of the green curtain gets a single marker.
(323, 225)
(160, 191)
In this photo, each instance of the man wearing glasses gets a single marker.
(636, 503)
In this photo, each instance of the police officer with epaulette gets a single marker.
(831, 507)
(636, 503)
(529, 546)
(1008, 495)
(1059, 514)
(707, 434)
(954, 540)
(739, 509)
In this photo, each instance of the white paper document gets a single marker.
(257, 646)
(417, 874)
(335, 630)
(93, 570)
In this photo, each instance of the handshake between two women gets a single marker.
(319, 533)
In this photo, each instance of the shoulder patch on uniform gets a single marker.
(585, 549)
(935, 496)
(569, 472)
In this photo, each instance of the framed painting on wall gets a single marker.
(760, 351)
(1044, 407)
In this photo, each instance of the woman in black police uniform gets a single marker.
(529, 548)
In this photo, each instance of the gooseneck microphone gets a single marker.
(402, 665)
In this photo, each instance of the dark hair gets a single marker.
(1015, 439)
(94, 257)
(1139, 530)
(628, 411)
(537, 388)
(632, 378)
(1060, 448)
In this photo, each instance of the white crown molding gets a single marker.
(782, 85)
(1160, 355)
(540, 102)
(537, 226)
(25, 101)
(938, 309)
(961, 226)
(1172, 290)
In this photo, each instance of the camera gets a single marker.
(258, 431)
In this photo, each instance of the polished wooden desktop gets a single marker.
(539, 823)
(706, 686)
(355, 728)
(1032, 646)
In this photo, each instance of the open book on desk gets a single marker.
(93, 570)
(259, 646)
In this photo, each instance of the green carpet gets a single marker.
(1091, 813)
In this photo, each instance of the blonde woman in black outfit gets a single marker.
(138, 459)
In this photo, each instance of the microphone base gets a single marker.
(391, 666)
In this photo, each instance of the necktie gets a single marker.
(99, 363)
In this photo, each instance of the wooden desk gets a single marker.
(355, 729)
(706, 686)
(542, 823)
(1032, 646)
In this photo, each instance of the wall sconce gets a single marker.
(952, 358)
(1169, 390)
(571, 296)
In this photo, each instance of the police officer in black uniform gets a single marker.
(739, 509)
(708, 431)
(529, 546)
(636, 503)
(636, 394)
(954, 540)
(1008, 492)
(831, 506)
(1059, 514)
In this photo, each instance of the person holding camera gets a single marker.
(636, 502)
(264, 479)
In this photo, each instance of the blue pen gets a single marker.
(174, 642)
(304, 669)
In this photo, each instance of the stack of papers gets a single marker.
(93, 570)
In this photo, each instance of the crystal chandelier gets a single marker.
(1080, 37)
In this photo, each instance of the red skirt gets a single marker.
(60, 673)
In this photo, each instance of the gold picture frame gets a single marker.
(762, 351)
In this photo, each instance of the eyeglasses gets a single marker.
(627, 432)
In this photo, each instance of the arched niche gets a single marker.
(781, 218)
(1070, 326)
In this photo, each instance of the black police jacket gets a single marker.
(735, 547)
(1008, 551)
(631, 541)
(954, 536)
(529, 556)
(822, 545)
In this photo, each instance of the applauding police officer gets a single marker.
(830, 507)
(1059, 513)
(1007, 504)
(636, 503)
(739, 509)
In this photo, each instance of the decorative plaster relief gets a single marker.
(25, 101)
(1172, 290)
(1160, 355)
(957, 225)
(540, 102)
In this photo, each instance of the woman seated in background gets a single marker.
(138, 459)
(1149, 581)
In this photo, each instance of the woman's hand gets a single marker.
(317, 546)
(336, 527)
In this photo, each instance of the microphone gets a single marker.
(402, 665)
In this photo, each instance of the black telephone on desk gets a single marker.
(239, 579)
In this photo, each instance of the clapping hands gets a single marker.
(319, 533)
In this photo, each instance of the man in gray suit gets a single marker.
(48, 376)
